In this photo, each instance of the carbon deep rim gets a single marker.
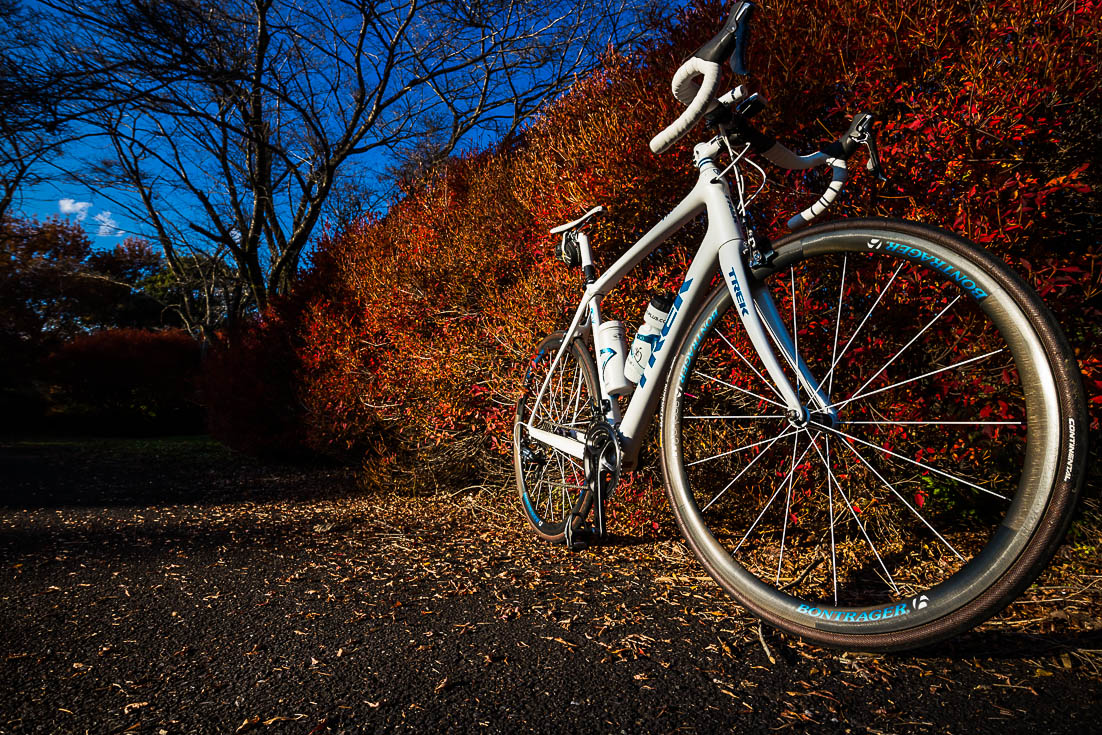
(1035, 512)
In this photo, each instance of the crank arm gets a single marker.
(564, 444)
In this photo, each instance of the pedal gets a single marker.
(575, 540)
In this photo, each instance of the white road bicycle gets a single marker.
(872, 432)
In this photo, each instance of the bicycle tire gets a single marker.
(551, 483)
(959, 452)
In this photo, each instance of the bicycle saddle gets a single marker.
(578, 222)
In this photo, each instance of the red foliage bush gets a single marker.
(126, 381)
(247, 386)
(410, 332)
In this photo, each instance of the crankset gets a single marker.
(601, 462)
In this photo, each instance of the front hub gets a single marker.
(798, 419)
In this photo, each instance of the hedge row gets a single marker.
(406, 340)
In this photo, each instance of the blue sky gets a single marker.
(104, 215)
(95, 214)
(100, 214)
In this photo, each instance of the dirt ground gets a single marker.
(172, 587)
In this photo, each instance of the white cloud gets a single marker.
(72, 206)
(107, 225)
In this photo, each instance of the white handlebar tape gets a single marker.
(837, 180)
(697, 95)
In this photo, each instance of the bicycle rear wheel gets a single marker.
(551, 482)
(950, 476)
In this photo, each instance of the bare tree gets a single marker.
(44, 101)
(239, 115)
(30, 95)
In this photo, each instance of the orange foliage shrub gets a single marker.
(411, 332)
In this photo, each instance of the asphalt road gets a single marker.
(175, 588)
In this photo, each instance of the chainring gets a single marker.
(603, 455)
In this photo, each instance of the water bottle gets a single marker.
(649, 331)
(610, 358)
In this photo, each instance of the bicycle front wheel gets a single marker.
(551, 482)
(947, 479)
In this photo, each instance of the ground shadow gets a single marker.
(1011, 645)
(119, 473)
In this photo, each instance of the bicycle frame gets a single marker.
(723, 248)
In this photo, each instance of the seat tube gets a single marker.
(733, 267)
(609, 407)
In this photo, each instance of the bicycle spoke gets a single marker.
(924, 466)
(920, 377)
(562, 494)
(904, 501)
(573, 425)
(554, 393)
(743, 472)
(748, 392)
(565, 398)
(577, 393)
(566, 485)
(774, 496)
(749, 365)
(742, 448)
(563, 499)
(536, 486)
(837, 327)
(562, 398)
(570, 482)
(551, 395)
(861, 526)
(787, 506)
(904, 348)
(872, 308)
(830, 502)
(935, 423)
(747, 418)
(547, 404)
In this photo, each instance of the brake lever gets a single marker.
(750, 106)
(742, 32)
(873, 164)
(860, 133)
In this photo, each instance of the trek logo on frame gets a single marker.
(739, 298)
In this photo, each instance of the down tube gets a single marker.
(722, 229)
